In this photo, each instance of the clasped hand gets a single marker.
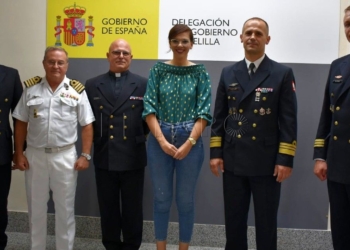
(177, 153)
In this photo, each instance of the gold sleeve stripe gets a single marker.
(32, 81)
(288, 145)
(77, 86)
(286, 151)
(215, 142)
(287, 148)
(319, 143)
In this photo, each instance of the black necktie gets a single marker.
(251, 67)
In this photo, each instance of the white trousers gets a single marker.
(53, 171)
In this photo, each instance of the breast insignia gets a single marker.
(32, 81)
(78, 86)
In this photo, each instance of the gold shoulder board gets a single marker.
(78, 86)
(32, 81)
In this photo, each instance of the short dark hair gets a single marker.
(259, 19)
(178, 29)
(53, 48)
(347, 9)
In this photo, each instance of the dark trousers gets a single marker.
(5, 181)
(120, 200)
(339, 199)
(237, 193)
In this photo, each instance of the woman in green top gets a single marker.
(176, 109)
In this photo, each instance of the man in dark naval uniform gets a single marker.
(253, 138)
(332, 145)
(116, 98)
(10, 92)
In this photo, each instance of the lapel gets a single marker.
(241, 74)
(345, 72)
(126, 91)
(260, 75)
(2, 74)
(106, 90)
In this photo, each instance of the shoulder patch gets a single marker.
(32, 81)
(78, 86)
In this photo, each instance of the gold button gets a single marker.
(255, 111)
(349, 141)
(239, 136)
(335, 123)
(335, 138)
(111, 137)
(264, 98)
(6, 100)
(111, 116)
(337, 108)
(240, 111)
(254, 125)
(233, 98)
(111, 127)
(133, 106)
(125, 138)
(101, 107)
(332, 95)
(240, 123)
(253, 138)
(0, 110)
(125, 117)
(125, 127)
(229, 97)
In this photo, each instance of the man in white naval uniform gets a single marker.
(47, 118)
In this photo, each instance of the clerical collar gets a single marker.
(124, 73)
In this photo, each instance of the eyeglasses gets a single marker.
(53, 63)
(178, 42)
(119, 53)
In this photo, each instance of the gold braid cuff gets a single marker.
(319, 143)
(215, 142)
(288, 148)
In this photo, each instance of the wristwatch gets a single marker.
(87, 156)
(192, 141)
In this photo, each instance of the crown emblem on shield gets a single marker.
(74, 27)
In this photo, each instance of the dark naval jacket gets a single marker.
(10, 92)
(255, 120)
(333, 135)
(119, 131)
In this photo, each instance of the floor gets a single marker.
(20, 241)
(205, 236)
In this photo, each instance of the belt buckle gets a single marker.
(48, 150)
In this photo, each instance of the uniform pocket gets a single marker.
(68, 108)
(36, 108)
